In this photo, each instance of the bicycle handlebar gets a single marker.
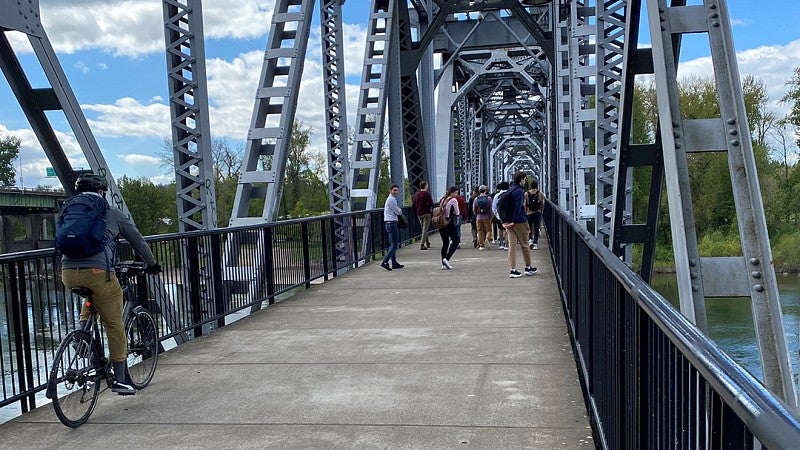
(130, 268)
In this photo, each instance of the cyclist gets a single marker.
(96, 272)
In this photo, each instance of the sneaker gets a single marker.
(446, 263)
(514, 274)
(530, 241)
(397, 266)
(535, 247)
(530, 270)
(444, 267)
(481, 248)
(474, 244)
(386, 266)
(122, 388)
(422, 247)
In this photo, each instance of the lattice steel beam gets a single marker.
(188, 99)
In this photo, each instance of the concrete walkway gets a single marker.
(413, 358)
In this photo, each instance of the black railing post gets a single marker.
(269, 263)
(215, 259)
(193, 271)
(323, 225)
(21, 333)
(306, 254)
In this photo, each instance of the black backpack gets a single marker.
(81, 227)
(483, 204)
(534, 202)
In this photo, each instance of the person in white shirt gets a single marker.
(390, 212)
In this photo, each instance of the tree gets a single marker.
(305, 191)
(153, 207)
(792, 98)
(9, 151)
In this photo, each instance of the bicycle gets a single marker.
(80, 364)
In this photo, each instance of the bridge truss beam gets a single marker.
(750, 274)
(188, 99)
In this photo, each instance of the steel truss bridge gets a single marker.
(482, 88)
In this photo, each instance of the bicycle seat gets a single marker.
(82, 291)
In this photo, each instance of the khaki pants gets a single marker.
(107, 299)
(425, 220)
(484, 230)
(518, 233)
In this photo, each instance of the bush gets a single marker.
(718, 243)
(786, 252)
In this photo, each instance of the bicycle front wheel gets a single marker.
(142, 347)
(74, 383)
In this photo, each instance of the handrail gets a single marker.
(755, 408)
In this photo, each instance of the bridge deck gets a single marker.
(418, 357)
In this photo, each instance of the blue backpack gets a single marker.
(81, 227)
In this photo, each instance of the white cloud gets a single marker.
(129, 117)
(136, 27)
(772, 64)
(139, 159)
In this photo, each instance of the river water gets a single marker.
(730, 322)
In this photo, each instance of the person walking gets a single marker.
(390, 212)
(482, 210)
(462, 217)
(497, 225)
(422, 203)
(96, 272)
(449, 234)
(473, 226)
(511, 207)
(534, 207)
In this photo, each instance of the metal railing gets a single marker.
(651, 378)
(189, 299)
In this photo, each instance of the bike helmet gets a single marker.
(91, 183)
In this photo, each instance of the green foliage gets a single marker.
(785, 252)
(305, 192)
(719, 243)
(153, 207)
(9, 151)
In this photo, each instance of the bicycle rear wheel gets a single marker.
(142, 347)
(73, 383)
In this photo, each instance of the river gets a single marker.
(730, 322)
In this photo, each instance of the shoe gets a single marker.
(122, 388)
(446, 263)
(474, 244)
(397, 266)
(444, 267)
(422, 247)
(514, 274)
(530, 270)
(386, 266)
(530, 241)
(481, 248)
(535, 247)
(531, 246)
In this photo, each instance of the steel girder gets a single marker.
(58, 97)
(610, 49)
(752, 273)
(370, 116)
(261, 180)
(414, 141)
(188, 99)
(336, 125)
(625, 231)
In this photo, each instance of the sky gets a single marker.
(113, 55)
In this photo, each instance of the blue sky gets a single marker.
(112, 53)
